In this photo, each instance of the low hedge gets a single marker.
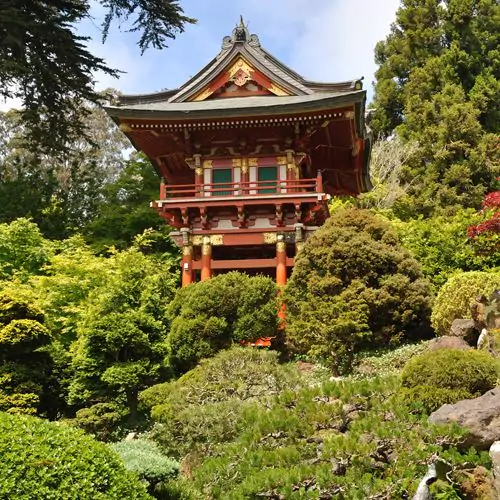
(46, 460)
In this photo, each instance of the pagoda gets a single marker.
(249, 153)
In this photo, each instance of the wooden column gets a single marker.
(187, 257)
(281, 263)
(299, 237)
(206, 259)
(244, 177)
(198, 181)
(187, 265)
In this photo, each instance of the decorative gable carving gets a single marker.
(240, 72)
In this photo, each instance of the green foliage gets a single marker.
(455, 297)
(386, 361)
(24, 365)
(441, 245)
(47, 65)
(437, 86)
(47, 460)
(124, 211)
(144, 458)
(349, 439)
(354, 287)
(447, 376)
(211, 315)
(121, 338)
(204, 406)
(23, 250)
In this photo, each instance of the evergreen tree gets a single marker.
(46, 64)
(438, 84)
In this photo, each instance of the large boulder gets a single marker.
(464, 329)
(480, 416)
(447, 342)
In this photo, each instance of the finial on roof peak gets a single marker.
(240, 35)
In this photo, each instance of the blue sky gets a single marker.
(324, 40)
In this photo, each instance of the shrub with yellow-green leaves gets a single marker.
(455, 297)
(446, 376)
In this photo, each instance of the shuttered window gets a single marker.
(268, 177)
(222, 177)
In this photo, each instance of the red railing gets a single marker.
(242, 188)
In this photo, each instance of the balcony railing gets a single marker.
(242, 188)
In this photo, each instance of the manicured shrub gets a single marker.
(24, 364)
(47, 460)
(144, 458)
(204, 406)
(455, 297)
(211, 315)
(354, 288)
(447, 376)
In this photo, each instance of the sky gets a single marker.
(323, 40)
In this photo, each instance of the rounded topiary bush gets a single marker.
(455, 297)
(447, 376)
(209, 316)
(41, 459)
(354, 287)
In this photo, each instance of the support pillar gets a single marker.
(187, 257)
(206, 259)
(187, 265)
(299, 237)
(281, 263)
(198, 181)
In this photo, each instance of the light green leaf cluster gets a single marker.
(456, 296)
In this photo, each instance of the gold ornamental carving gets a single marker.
(125, 127)
(199, 171)
(187, 250)
(270, 238)
(236, 162)
(253, 162)
(281, 160)
(240, 65)
(277, 90)
(281, 246)
(206, 249)
(217, 239)
(207, 163)
(203, 94)
(299, 245)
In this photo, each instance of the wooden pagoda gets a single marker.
(249, 153)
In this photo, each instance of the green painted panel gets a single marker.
(267, 176)
(224, 177)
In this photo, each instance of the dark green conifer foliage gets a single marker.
(354, 287)
(211, 315)
(24, 365)
(46, 64)
(438, 83)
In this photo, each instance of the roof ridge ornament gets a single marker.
(241, 35)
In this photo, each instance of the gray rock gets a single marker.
(464, 329)
(480, 416)
(447, 342)
(495, 460)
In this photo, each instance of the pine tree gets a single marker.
(46, 64)
(438, 84)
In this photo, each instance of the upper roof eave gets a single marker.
(234, 107)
